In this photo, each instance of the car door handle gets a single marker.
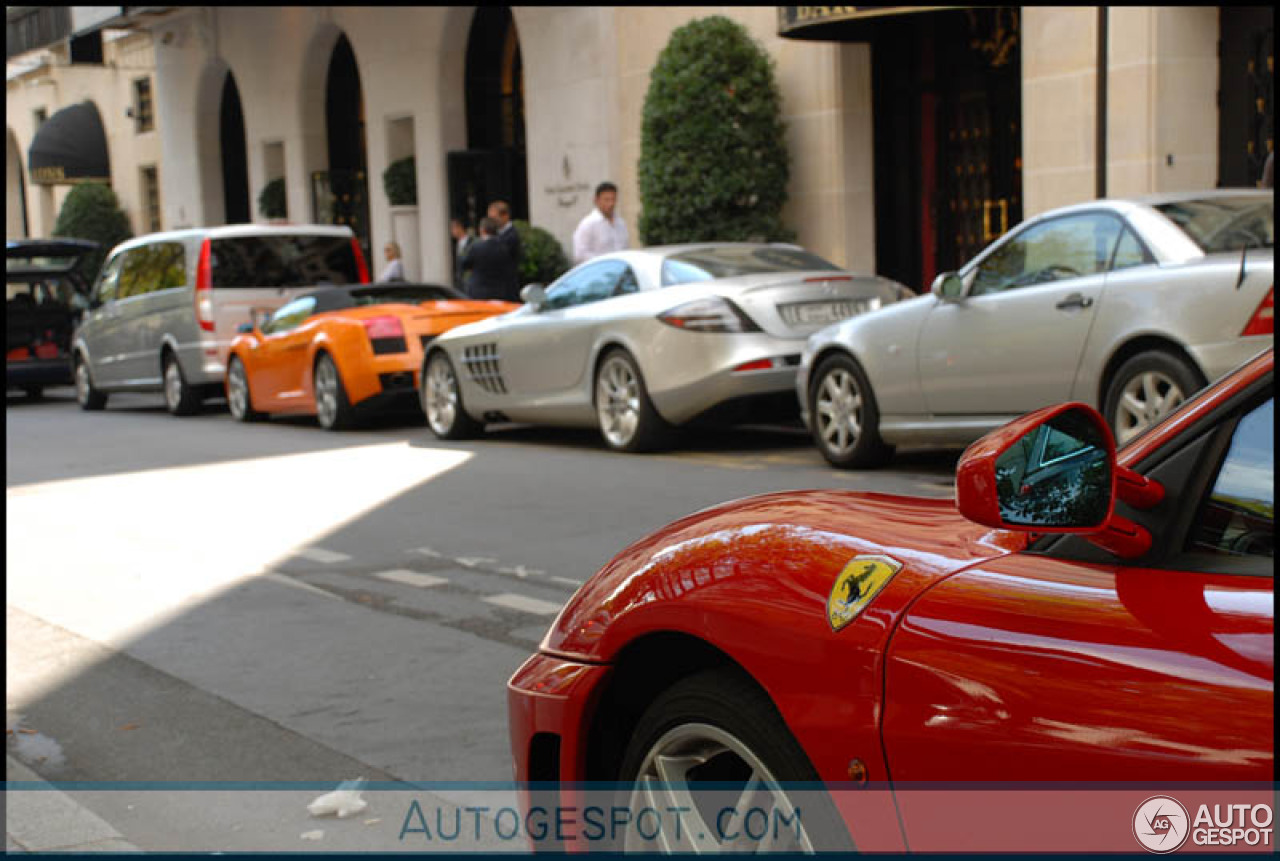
(1075, 300)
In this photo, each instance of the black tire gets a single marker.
(88, 397)
(728, 718)
(440, 395)
(34, 393)
(180, 398)
(1146, 388)
(333, 409)
(843, 416)
(626, 417)
(239, 397)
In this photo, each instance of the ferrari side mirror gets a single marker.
(1054, 471)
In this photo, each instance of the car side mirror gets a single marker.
(533, 295)
(948, 287)
(246, 328)
(1055, 471)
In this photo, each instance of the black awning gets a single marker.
(70, 147)
(839, 23)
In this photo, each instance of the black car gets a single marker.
(45, 296)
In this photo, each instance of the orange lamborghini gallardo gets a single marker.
(340, 349)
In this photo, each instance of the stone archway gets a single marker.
(236, 198)
(15, 204)
(208, 137)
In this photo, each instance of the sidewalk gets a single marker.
(46, 819)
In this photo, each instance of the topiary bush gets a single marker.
(400, 179)
(272, 202)
(92, 211)
(713, 160)
(542, 258)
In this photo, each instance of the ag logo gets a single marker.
(1160, 824)
(859, 582)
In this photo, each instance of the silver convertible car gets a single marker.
(1128, 305)
(636, 342)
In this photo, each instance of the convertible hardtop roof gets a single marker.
(338, 298)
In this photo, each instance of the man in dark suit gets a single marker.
(500, 212)
(489, 262)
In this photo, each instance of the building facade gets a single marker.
(915, 136)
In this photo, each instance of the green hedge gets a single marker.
(272, 202)
(713, 157)
(543, 260)
(92, 211)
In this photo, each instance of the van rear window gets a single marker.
(283, 261)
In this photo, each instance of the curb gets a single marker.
(45, 819)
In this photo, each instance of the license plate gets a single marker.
(813, 313)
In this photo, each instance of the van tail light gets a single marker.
(386, 335)
(204, 287)
(1263, 321)
(361, 267)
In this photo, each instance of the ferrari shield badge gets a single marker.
(859, 582)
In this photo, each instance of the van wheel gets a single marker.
(87, 396)
(333, 410)
(180, 398)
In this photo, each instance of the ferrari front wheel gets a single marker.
(713, 745)
(442, 400)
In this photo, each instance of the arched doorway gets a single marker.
(15, 207)
(235, 162)
(342, 196)
(493, 165)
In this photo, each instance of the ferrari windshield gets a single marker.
(1224, 223)
(730, 261)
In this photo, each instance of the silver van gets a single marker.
(166, 306)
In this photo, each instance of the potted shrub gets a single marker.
(272, 202)
(400, 179)
(542, 259)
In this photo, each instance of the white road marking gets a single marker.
(427, 551)
(298, 584)
(319, 554)
(475, 561)
(411, 578)
(523, 604)
(521, 571)
(568, 582)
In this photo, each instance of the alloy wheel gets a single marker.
(326, 392)
(618, 402)
(237, 391)
(173, 385)
(838, 411)
(697, 752)
(1144, 400)
(441, 396)
(82, 383)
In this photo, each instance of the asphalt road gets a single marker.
(201, 600)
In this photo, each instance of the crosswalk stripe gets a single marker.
(319, 554)
(298, 584)
(411, 578)
(568, 582)
(524, 604)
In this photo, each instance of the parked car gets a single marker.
(44, 296)
(1128, 305)
(166, 306)
(342, 349)
(1114, 622)
(635, 342)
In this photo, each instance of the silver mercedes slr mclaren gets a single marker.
(1128, 305)
(637, 342)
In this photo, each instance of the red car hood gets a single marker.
(752, 567)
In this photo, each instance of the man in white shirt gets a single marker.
(601, 231)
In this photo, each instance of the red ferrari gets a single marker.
(1078, 617)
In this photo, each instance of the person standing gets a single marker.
(462, 240)
(602, 230)
(500, 212)
(487, 264)
(394, 270)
